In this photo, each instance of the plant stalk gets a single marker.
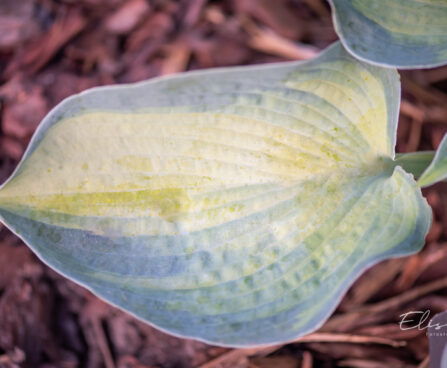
(414, 162)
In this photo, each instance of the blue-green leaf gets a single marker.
(400, 33)
(437, 170)
(233, 206)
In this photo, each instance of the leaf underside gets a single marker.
(400, 33)
(233, 206)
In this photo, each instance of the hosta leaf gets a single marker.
(233, 206)
(438, 346)
(401, 33)
(437, 170)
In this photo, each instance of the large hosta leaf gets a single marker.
(401, 33)
(234, 206)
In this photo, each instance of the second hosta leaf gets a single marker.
(400, 33)
(437, 170)
(234, 206)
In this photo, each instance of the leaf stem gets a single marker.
(414, 162)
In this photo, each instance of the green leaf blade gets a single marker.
(437, 170)
(399, 33)
(233, 206)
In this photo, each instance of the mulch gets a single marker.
(50, 49)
